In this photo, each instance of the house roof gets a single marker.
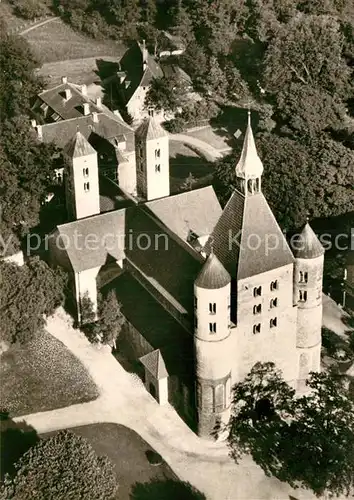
(150, 129)
(78, 146)
(107, 229)
(70, 108)
(197, 211)
(247, 239)
(213, 274)
(107, 127)
(154, 363)
(308, 245)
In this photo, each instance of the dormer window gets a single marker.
(274, 286)
(257, 309)
(257, 291)
(212, 308)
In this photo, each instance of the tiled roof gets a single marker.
(250, 164)
(213, 274)
(78, 146)
(106, 127)
(108, 230)
(154, 363)
(307, 245)
(197, 211)
(66, 109)
(247, 239)
(150, 129)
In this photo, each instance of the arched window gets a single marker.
(274, 285)
(212, 307)
(212, 327)
(302, 295)
(273, 322)
(257, 309)
(257, 328)
(257, 291)
(273, 303)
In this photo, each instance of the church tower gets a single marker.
(308, 275)
(152, 160)
(81, 178)
(212, 345)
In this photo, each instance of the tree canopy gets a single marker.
(61, 467)
(306, 441)
(29, 294)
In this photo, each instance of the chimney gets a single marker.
(33, 123)
(86, 107)
(99, 102)
(40, 132)
(84, 89)
(64, 79)
(67, 94)
(94, 117)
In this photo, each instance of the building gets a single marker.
(206, 292)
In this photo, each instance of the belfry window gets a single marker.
(157, 168)
(257, 309)
(274, 285)
(212, 327)
(273, 322)
(85, 172)
(302, 295)
(212, 308)
(86, 187)
(257, 291)
(273, 303)
(157, 153)
(303, 277)
(257, 328)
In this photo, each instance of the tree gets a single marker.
(167, 94)
(215, 80)
(111, 319)
(307, 441)
(173, 490)
(29, 9)
(189, 182)
(29, 294)
(61, 467)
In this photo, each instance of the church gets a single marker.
(207, 292)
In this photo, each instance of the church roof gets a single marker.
(213, 274)
(150, 129)
(308, 245)
(197, 211)
(247, 239)
(154, 363)
(250, 164)
(78, 146)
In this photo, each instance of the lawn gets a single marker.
(127, 451)
(56, 41)
(184, 160)
(42, 375)
(218, 138)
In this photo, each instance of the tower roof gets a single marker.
(213, 274)
(78, 146)
(154, 363)
(249, 165)
(308, 245)
(151, 129)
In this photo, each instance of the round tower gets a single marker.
(212, 345)
(308, 275)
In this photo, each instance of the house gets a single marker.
(206, 292)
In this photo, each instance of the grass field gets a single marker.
(42, 375)
(127, 451)
(218, 138)
(56, 41)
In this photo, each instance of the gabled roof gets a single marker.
(150, 129)
(154, 363)
(71, 108)
(78, 146)
(247, 239)
(107, 127)
(249, 165)
(307, 245)
(194, 211)
(213, 274)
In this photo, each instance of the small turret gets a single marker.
(212, 344)
(308, 275)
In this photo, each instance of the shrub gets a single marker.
(29, 9)
(175, 126)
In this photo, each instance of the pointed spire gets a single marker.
(307, 245)
(250, 165)
(151, 129)
(78, 146)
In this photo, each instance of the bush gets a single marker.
(29, 9)
(175, 126)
